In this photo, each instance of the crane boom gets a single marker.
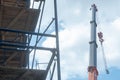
(92, 69)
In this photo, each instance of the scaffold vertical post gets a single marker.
(57, 40)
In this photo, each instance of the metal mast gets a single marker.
(92, 69)
(57, 40)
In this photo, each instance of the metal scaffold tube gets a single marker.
(57, 40)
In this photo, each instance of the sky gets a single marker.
(74, 18)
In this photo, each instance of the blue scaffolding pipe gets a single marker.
(26, 32)
(24, 46)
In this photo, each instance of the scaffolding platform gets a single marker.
(18, 18)
(22, 34)
(8, 73)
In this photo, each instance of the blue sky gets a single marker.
(74, 17)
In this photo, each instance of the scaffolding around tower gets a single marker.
(22, 33)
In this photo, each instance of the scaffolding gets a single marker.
(22, 34)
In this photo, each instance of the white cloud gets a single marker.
(116, 23)
(77, 12)
(74, 58)
(50, 43)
